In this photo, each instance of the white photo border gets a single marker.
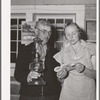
(5, 49)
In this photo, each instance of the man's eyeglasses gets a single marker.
(45, 31)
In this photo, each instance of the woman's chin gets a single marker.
(72, 43)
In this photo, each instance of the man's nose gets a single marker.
(71, 36)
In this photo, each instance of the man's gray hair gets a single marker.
(43, 22)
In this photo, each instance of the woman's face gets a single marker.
(72, 34)
(44, 33)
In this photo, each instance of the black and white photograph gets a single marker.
(50, 50)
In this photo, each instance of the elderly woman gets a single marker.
(78, 69)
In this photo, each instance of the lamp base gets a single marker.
(38, 81)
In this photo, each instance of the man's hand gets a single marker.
(32, 75)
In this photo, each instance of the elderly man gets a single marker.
(49, 91)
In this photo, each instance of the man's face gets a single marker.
(44, 33)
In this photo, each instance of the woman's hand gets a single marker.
(79, 67)
(69, 67)
(63, 70)
(32, 75)
(61, 80)
(62, 73)
(88, 72)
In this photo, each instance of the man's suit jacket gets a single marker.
(52, 86)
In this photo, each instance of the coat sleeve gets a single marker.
(21, 68)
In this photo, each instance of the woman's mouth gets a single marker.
(72, 40)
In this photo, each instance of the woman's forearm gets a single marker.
(90, 73)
